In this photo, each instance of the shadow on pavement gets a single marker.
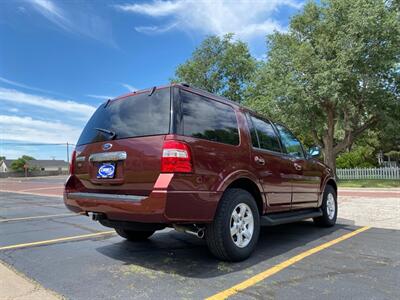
(178, 253)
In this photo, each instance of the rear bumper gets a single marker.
(161, 206)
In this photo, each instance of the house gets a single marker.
(37, 165)
(5, 165)
(48, 165)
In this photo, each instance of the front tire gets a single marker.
(329, 208)
(133, 235)
(234, 232)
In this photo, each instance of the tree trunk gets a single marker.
(330, 158)
(329, 153)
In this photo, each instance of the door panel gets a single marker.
(306, 184)
(275, 179)
(272, 171)
(305, 176)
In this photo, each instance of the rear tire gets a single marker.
(329, 208)
(234, 232)
(133, 235)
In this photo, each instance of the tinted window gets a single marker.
(290, 143)
(253, 134)
(136, 115)
(266, 135)
(207, 119)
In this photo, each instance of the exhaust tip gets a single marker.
(200, 233)
(96, 216)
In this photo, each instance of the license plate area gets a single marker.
(106, 170)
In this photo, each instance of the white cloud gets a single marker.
(25, 129)
(65, 106)
(101, 97)
(75, 20)
(129, 87)
(246, 19)
(53, 13)
(21, 85)
(155, 9)
(155, 29)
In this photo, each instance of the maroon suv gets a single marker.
(180, 157)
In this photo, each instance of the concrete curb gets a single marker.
(16, 286)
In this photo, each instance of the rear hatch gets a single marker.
(120, 148)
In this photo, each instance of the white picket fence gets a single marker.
(369, 173)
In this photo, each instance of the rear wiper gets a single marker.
(111, 133)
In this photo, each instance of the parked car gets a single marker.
(180, 157)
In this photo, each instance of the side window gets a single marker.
(290, 143)
(266, 135)
(209, 120)
(253, 134)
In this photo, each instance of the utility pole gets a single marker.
(67, 152)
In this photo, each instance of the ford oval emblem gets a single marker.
(107, 146)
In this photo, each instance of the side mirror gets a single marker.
(314, 151)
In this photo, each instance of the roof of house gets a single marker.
(8, 162)
(43, 163)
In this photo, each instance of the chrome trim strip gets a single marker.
(108, 156)
(81, 158)
(107, 197)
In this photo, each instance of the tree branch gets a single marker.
(316, 139)
(351, 135)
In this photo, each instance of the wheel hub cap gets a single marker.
(242, 225)
(330, 206)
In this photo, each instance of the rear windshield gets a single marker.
(136, 115)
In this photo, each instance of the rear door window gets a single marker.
(208, 119)
(133, 116)
(253, 134)
(267, 137)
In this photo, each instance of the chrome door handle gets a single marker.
(259, 160)
(297, 167)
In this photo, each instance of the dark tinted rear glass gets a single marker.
(266, 135)
(137, 115)
(254, 139)
(208, 119)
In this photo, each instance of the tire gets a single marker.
(134, 236)
(218, 236)
(329, 202)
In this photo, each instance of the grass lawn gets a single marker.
(369, 183)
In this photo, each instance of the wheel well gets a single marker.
(332, 183)
(249, 185)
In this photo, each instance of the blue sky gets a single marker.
(60, 59)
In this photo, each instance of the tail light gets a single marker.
(176, 157)
(72, 164)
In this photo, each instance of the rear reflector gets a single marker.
(176, 157)
(72, 164)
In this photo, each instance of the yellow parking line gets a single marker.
(283, 265)
(53, 241)
(38, 217)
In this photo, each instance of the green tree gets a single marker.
(2, 158)
(335, 73)
(219, 65)
(18, 164)
(359, 157)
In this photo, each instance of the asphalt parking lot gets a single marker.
(79, 259)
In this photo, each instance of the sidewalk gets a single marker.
(15, 286)
(370, 192)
